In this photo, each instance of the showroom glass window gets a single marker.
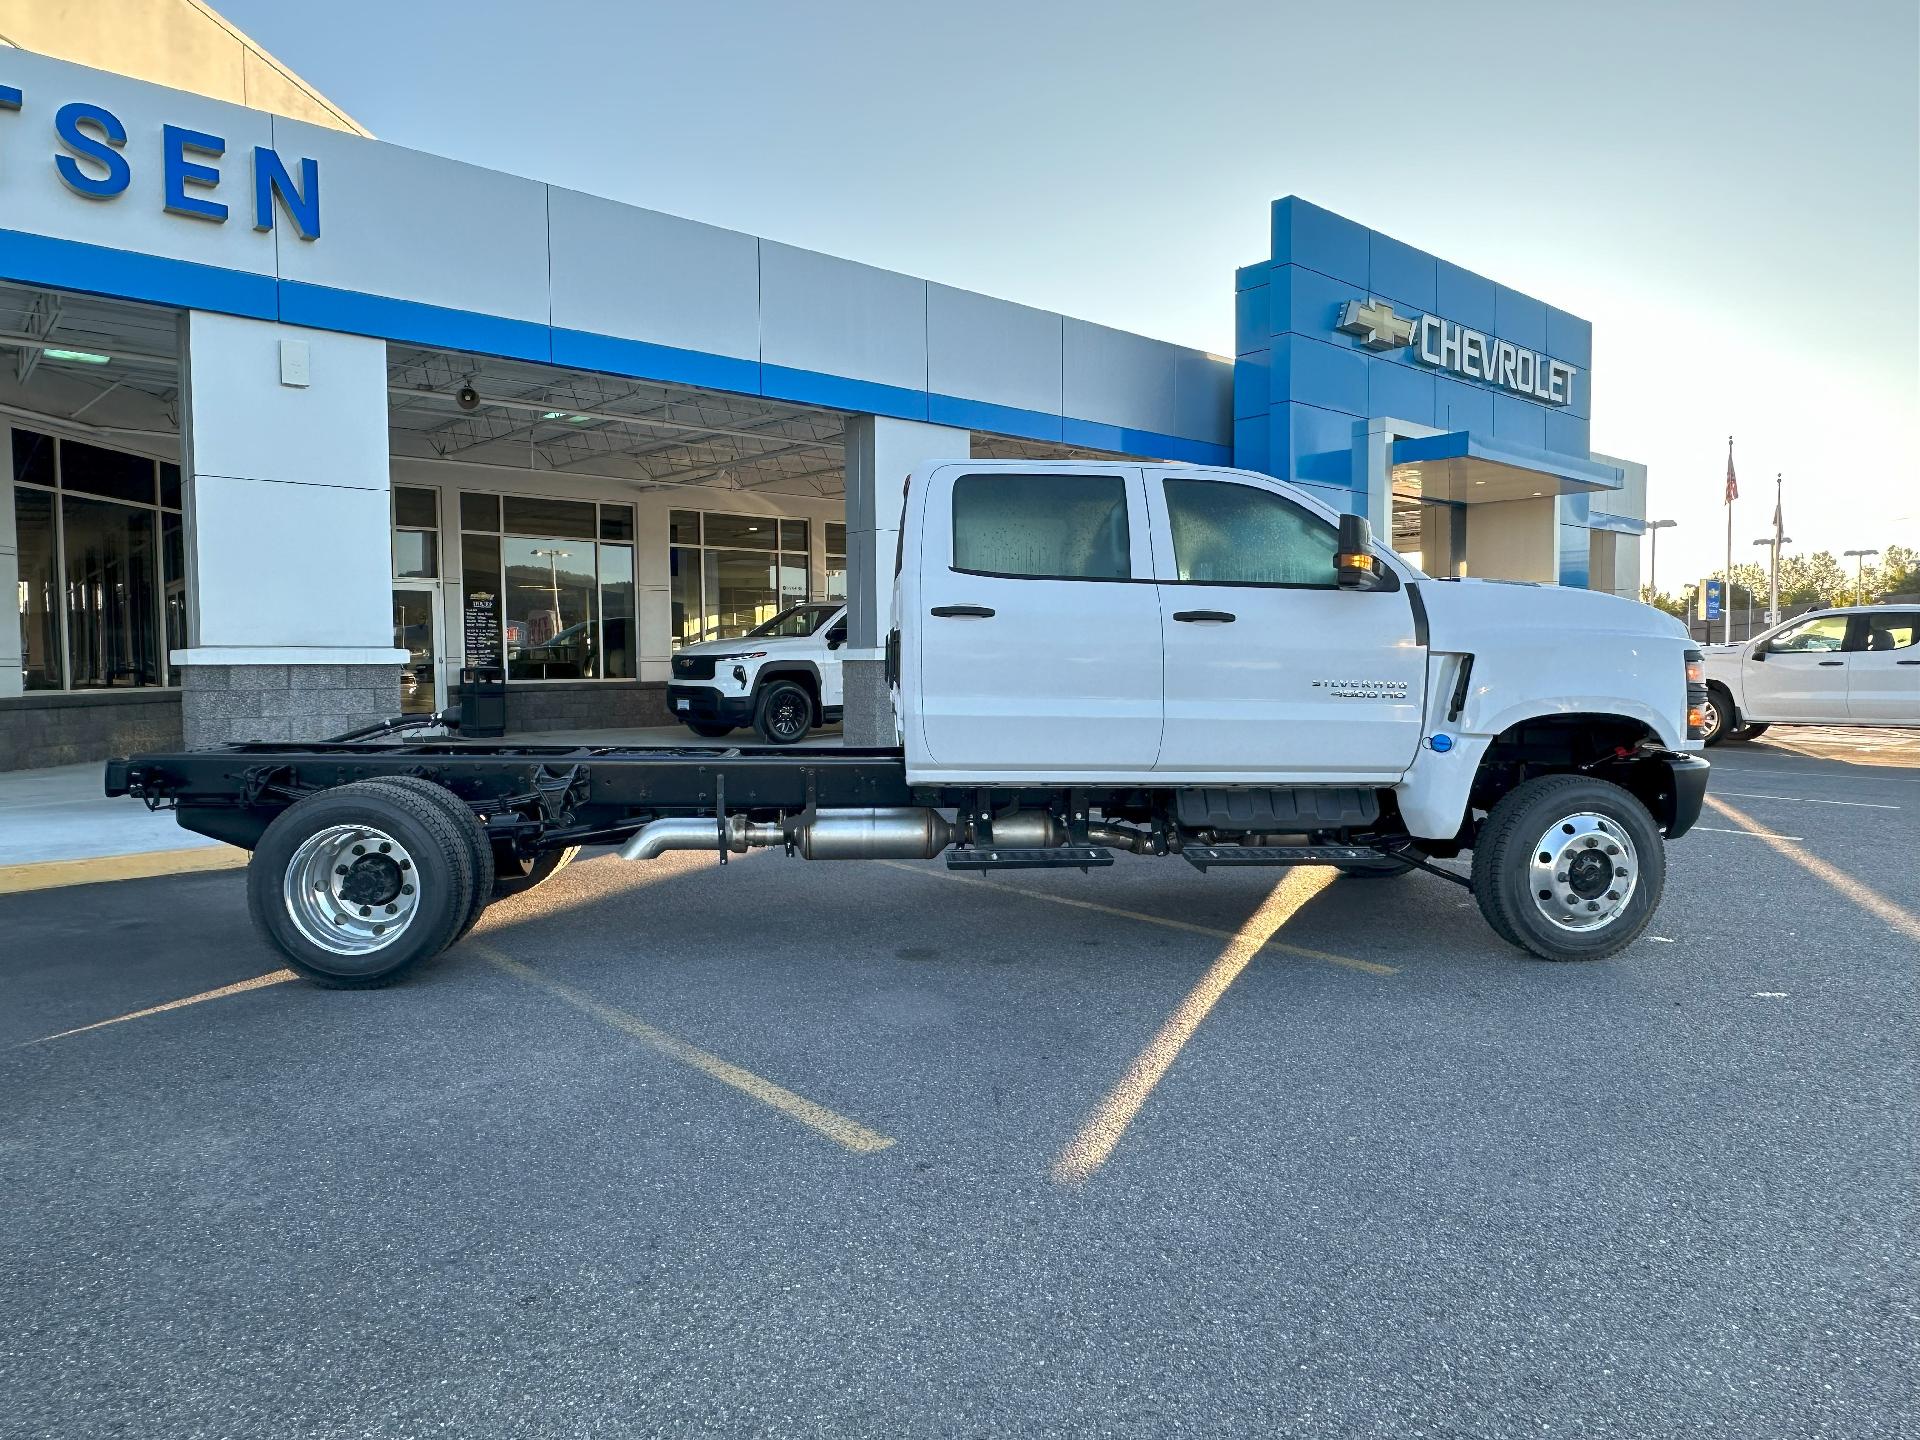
(548, 587)
(733, 572)
(836, 561)
(102, 592)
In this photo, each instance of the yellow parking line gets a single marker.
(1369, 967)
(56, 874)
(1103, 1129)
(239, 987)
(1868, 899)
(836, 1127)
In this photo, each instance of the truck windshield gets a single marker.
(797, 623)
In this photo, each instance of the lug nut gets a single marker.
(394, 909)
(366, 910)
(339, 869)
(406, 889)
(1613, 849)
(1593, 904)
(1620, 872)
(1611, 895)
(385, 847)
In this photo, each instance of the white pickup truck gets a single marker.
(1854, 665)
(1087, 658)
(782, 678)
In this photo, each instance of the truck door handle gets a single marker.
(964, 612)
(1221, 617)
(1825, 663)
(1907, 662)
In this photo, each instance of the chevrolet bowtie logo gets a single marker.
(1375, 324)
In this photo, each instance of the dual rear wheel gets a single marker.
(357, 884)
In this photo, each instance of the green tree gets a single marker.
(1674, 605)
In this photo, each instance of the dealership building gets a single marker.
(299, 424)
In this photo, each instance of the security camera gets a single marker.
(467, 398)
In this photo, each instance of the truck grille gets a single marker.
(693, 667)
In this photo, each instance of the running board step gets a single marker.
(1012, 857)
(1201, 856)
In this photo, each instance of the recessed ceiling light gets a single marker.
(1482, 482)
(1538, 493)
(554, 415)
(80, 357)
(579, 419)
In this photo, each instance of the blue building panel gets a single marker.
(1460, 406)
(1253, 318)
(1252, 387)
(1400, 392)
(1519, 422)
(1520, 318)
(1576, 543)
(1567, 433)
(1308, 303)
(1401, 273)
(1315, 372)
(1318, 445)
(1251, 447)
(1464, 297)
(1569, 338)
(1304, 234)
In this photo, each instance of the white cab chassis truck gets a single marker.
(1191, 664)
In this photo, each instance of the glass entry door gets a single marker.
(416, 630)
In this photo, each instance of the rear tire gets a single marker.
(1569, 867)
(463, 818)
(357, 884)
(542, 868)
(784, 713)
(707, 730)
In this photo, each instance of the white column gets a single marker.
(288, 532)
(881, 453)
(1514, 540)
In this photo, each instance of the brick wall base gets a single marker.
(223, 704)
(50, 728)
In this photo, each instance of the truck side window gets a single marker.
(1827, 632)
(1042, 527)
(1228, 534)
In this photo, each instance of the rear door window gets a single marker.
(1042, 527)
(1892, 630)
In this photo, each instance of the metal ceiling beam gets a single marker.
(611, 416)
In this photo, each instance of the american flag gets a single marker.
(1733, 486)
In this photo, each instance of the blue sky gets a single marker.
(1730, 192)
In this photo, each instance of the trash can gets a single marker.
(483, 702)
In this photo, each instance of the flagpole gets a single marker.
(1726, 599)
(1773, 579)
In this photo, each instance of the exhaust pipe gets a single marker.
(904, 833)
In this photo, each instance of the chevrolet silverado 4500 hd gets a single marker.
(1166, 661)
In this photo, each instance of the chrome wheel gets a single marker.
(1710, 715)
(1583, 872)
(351, 889)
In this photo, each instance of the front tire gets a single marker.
(357, 884)
(1569, 867)
(1744, 733)
(784, 713)
(1720, 713)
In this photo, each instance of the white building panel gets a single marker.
(412, 226)
(1117, 378)
(33, 198)
(980, 348)
(641, 275)
(822, 313)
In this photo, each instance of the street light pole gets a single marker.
(1773, 543)
(1859, 563)
(1654, 527)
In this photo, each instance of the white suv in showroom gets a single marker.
(1857, 665)
(782, 678)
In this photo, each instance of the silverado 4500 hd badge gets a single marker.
(1363, 689)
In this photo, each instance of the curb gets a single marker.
(101, 869)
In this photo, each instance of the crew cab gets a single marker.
(1851, 665)
(1086, 659)
(782, 677)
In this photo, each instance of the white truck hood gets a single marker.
(1477, 615)
(754, 644)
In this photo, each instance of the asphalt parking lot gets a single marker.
(794, 1149)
